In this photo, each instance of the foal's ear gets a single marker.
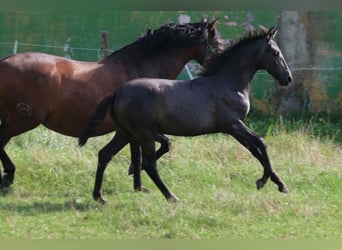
(213, 24)
(271, 33)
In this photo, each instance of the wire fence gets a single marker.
(261, 90)
(310, 41)
(68, 50)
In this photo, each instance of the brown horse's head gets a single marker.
(194, 41)
(212, 45)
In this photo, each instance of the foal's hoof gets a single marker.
(101, 200)
(283, 189)
(260, 184)
(173, 199)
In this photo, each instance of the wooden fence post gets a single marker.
(105, 43)
(299, 37)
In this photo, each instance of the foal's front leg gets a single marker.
(256, 145)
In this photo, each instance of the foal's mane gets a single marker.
(171, 36)
(214, 63)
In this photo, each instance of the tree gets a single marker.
(299, 37)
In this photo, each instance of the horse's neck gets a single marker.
(166, 64)
(240, 69)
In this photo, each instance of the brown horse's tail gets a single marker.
(99, 115)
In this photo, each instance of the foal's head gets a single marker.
(273, 60)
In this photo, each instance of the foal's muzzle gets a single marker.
(288, 79)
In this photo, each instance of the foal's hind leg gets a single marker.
(149, 164)
(256, 145)
(105, 155)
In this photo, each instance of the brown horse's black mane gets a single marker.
(169, 35)
(214, 63)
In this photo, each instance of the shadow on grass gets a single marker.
(25, 207)
(33, 208)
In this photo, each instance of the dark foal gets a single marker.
(218, 101)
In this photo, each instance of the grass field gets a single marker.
(214, 177)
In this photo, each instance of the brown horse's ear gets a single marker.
(275, 32)
(213, 24)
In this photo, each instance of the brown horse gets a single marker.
(62, 94)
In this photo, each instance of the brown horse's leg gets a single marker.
(9, 168)
(149, 164)
(256, 145)
(135, 158)
(7, 131)
(105, 155)
(136, 164)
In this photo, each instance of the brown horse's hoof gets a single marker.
(260, 184)
(142, 189)
(4, 183)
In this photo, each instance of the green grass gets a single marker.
(214, 177)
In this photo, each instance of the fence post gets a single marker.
(66, 48)
(183, 18)
(105, 43)
(299, 31)
(15, 47)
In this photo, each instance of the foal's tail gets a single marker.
(99, 115)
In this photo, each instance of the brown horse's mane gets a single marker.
(214, 63)
(171, 36)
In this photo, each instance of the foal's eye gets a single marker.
(276, 53)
